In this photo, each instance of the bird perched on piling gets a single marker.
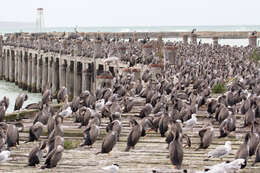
(21, 98)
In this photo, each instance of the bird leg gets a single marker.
(174, 166)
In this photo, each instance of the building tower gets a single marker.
(39, 20)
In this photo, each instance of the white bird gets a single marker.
(112, 168)
(225, 167)
(221, 151)
(191, 122)
(4, 156)
(66, 112)
(100, 104)
(234, 166)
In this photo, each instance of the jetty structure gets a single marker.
(81, 61)
(78, 60)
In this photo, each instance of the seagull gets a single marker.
(220, 151)
(112, 168)
(191, 122)
(225, 167)
(4, 156)
(66, 112)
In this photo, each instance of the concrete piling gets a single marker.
(30, 74)
(170, 54)
(39, 74)
(252, 39)
(193, 39)
(185, 39)
(55, 77)
(34, 71)
(215, 41)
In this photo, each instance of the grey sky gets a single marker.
(133, 12)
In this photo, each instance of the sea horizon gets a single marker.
(175, 28)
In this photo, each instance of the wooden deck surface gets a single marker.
(149, 153)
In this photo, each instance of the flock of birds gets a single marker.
(173, 99)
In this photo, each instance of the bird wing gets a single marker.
(2, 157)
(219, 151)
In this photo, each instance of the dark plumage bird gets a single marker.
(243, 151)
(146, 110)
(163, 123)
(134, 134)
(206, 136)
(53, 157)
(36, 154)
(90, 135)
(57, 131)
(35, 132)
(249, 118)
(2, 113)
(75, 104)
(128, 104)
(46, 97)
(109, 142)
(212, 105)
(61, 95)
(115, 125)
(19, 101)
(227, 126)
(254, 141)
(12, 136)
(257, 155)
(5, 102)
(176, 150)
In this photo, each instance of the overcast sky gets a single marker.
(133, 12)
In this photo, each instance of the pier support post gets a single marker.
(185, 39)
(7, 58)
(84, 77)
(194, 39)
(39, 73)
(77, 79)
(50, 74)
(170, 54)
(252, 40)
(69, 79)
(215, 41)
(44, 72)
(20, 68)
(34, 73)
(30, 73)
(25, 71)
(11, 66)
(62, 73)
(16, 72)
(55, 77)
(75, 71)
(1, 58)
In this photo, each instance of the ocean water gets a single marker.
(12, 91)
